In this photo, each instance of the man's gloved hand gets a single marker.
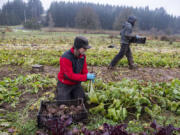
(91, 76)
(137, 36)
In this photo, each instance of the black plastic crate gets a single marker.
(139, 40)
(41, 119)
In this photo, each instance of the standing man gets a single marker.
(126, 37)
(73, 70)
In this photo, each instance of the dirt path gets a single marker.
(147, 74)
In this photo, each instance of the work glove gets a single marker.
(91, 76)
(138, 37)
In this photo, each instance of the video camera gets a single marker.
(138, 40)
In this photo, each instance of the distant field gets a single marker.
(154, 53)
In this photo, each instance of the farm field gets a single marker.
(135, 97)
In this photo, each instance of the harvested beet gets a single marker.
(56, 111)
(62, 110)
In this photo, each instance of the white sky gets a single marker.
(171, 6)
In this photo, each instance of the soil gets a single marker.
(12, 71)
(142, 73)
(146, 74)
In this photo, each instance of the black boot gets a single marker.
(131, 64)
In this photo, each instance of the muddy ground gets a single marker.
(142, 73)
(146, 74)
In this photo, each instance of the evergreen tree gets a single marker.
(34, 9)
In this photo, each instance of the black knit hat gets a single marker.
(81, 42)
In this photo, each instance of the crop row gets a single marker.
(95, 57)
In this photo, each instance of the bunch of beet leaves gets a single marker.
(60, 126)
(164, 130)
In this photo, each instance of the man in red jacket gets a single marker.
(73, 70)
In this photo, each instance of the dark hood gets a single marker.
(132, 19)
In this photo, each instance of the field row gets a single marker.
(95, 57)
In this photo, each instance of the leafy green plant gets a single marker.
(130, 97)
(12, 89)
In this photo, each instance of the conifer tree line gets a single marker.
(17, 11)
(87, 16)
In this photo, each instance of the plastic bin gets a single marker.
(41, 118)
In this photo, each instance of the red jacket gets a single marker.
(72, 69)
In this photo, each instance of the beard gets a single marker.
(83, 53)
(76, 53)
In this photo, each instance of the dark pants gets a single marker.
(125, 50)
(68, 92)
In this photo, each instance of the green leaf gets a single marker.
(178, 111)
(5, 124)
(3, 133)
(156, 109)
(148, 111)
(98, 109)
(1, 97)
(124, 113)
(112, 114)
(144, 100)
(174, 106)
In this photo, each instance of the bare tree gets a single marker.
(87, 18)
(50, 22)
(121, 18)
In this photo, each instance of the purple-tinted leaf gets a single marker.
(177, 129)
(69, 133)
(133, 134)
(117, 131)
(68, 122)
(143, 133)
(92, 133)
(85, 131)
(75, 131)
(106, 133)
(59, 126)
(106, 126)
(11, 130)
(40, 133)
(161, 132)
(154, 124)
(168, 130)
(121, 126)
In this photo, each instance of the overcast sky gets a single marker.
(171, 6)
